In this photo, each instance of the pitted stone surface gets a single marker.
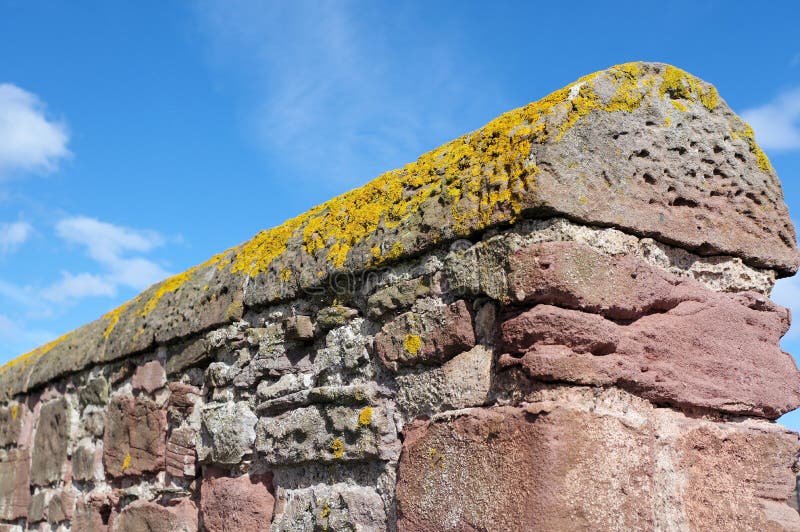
(327, 434)
(338, 507)
(11, 422)
(143, 515)
(51, 443)
(149, 377)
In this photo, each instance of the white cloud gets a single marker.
(777, 124)
(787, 293)
(108, 245)
(29, 141)
(13, 235)
(74, 287)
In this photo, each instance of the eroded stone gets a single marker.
(51, 443)
(135, 438)
(245, 502)
(433, 335)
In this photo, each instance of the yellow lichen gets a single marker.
(482, 176)
(126, 462)
(176, 281)
(326, 511)
(412, 343)
(680, 84)
(31, 357)
(14, 412)
(286, 274)
(337, 448)
(365, 416)
(746, 132)
(436, 458)
(680, 106)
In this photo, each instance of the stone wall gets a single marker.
(558, 322)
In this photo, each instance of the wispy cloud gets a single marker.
(342, 90)
(120, 262)
(29, 140)
(117, 250)
(777, 124)
(13, 235)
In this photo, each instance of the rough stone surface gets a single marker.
(241, 503)
(655, 469)
(181, 455)
(142, 516)
(463, 381)
(149, 377)
(135, 438)
(559, 321)
(327, 434)
(87, 461)
(51, 443)
(228, 432)
(338, 507)
(433, 335)
(11, 420)
(679, 342)
(14, 479)
(95, 392)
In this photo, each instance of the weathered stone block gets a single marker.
(143, 515)
(228, 432)
(327, 434)
(50, 443)
(583, 460)
(91, 515)
(181, 455)
(95, 392)
(337, 507)
(673, 341)
(461, 382)
(150, 376)
(14, 485)
(135, 438)
(87, 461)
(11, 421)
(428, 337)
(299, 328)
(245, 502)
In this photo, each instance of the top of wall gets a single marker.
(642, 147)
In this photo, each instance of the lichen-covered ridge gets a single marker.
(555, 155)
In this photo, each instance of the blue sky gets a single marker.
(139, 138)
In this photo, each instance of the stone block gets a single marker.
(228, 432)
(144, 515)
(430, 336)
(587, 460)
(245, 502)
(15, 485)
(150, 376)
(135, 438)
(50, 443)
